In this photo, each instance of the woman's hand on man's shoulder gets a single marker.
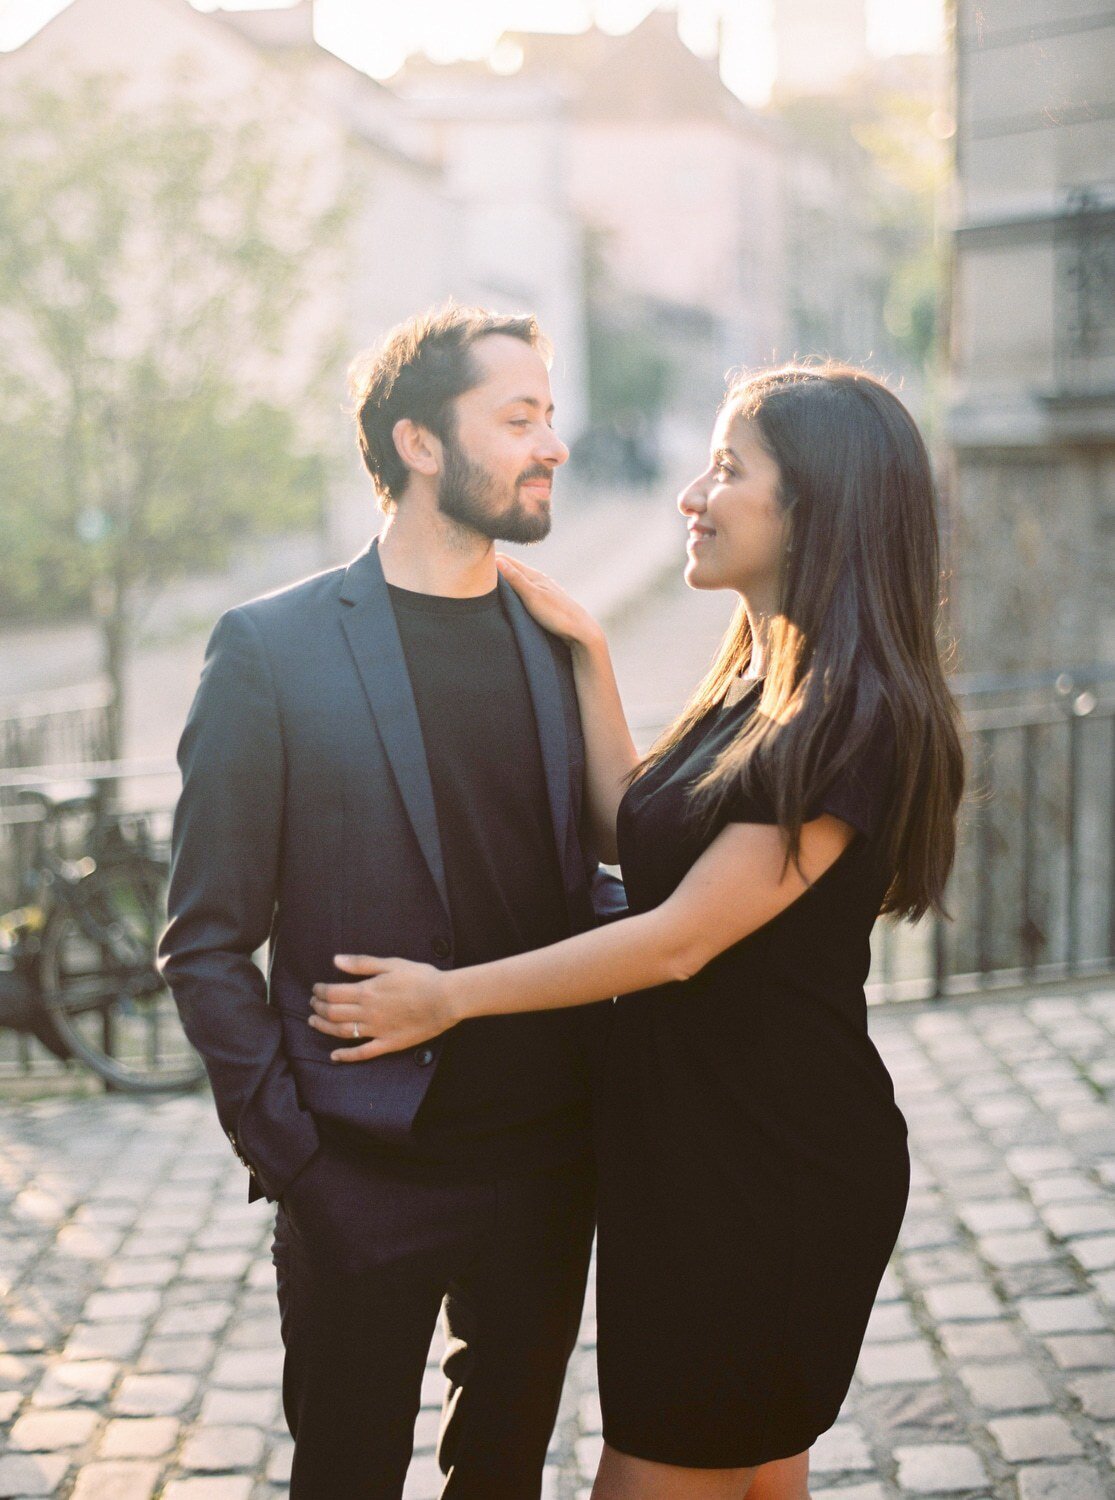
(554, 609)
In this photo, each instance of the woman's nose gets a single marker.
(691, 501)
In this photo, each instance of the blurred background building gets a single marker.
(1032, 417)
(422, 225)
(676, 188)
(663, 230)
(1031, 431)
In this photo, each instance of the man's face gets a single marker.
(497, 470)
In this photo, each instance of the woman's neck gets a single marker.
(759, 621)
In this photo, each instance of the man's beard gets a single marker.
(467, 495)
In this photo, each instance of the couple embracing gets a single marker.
(404, 775)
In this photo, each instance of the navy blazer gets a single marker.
(307, 818)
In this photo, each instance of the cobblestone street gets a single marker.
(139, 1343)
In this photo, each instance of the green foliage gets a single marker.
(629, 364)
(887, 149)
(913, 306)
(151, 267)
(628, 371)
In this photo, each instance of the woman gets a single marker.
(753, 1162)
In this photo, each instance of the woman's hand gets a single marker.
(548, 602)
(397, 1005)
(610, 753)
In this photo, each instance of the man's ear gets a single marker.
(418, 448)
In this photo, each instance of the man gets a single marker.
(387, 758)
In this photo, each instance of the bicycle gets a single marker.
(77, 957)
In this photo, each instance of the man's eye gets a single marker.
(520, 421)
(724, 471)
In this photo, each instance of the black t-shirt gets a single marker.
(509, 1091)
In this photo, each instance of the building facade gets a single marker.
(678, 189)
(1033, 335)
(503, 152)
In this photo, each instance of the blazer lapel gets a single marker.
(369, 624)
(545, 692)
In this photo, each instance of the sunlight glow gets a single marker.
(20, 19)
(379, 38)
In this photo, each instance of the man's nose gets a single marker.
(551, 449)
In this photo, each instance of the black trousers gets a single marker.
(359, 1299)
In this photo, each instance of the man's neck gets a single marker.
(430, 554)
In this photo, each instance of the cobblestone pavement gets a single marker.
(139, 1344)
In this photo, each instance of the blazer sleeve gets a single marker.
(224, 875)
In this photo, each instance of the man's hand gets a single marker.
(397, 1006)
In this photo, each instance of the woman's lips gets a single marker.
(699, 534)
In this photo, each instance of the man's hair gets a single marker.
(418, 371)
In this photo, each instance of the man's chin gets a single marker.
(519, 523)
(524, 527)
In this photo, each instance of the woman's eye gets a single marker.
(723, 471)
(520, 422)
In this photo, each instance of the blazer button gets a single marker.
(424, 1057)
(442, 948)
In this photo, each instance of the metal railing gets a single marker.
(64, 727)
(1084, 293)
(1032, 897)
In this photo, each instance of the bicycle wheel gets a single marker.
(99, 984)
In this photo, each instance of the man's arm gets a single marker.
(224, 875)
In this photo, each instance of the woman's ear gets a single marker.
(418, 448)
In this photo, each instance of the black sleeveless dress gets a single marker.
(753, 1162)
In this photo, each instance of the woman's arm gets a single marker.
(610, 753)
(741, 882)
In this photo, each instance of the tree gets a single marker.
(160, 386)
(629, 368)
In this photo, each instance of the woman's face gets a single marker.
(736, 526)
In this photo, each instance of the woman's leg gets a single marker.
(621, 1477)
(782, 1479)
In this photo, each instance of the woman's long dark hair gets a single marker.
(856, 633)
